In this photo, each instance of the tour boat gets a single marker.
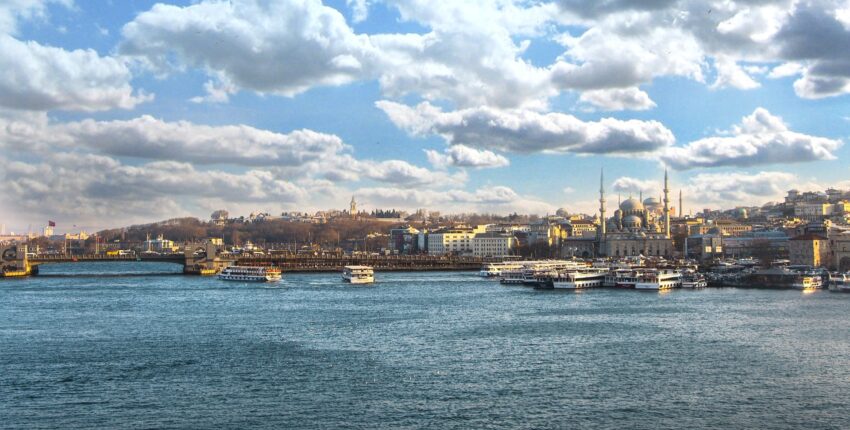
(493, 270)
(581, 278)
(840, 283)
(807, 282)
(662, 279)
(625, 278)
(250, 274)
(693, 279)
(358, 274)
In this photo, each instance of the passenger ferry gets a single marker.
(535, 272)
(840, 282)
(659, 279)
(250, 274)
(493, 270)
(693, 279)
(807, 282)
(581, 278)
(358, 274)
(627, 278)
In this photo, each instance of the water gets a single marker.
(437, 350)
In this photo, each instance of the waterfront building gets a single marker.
(493, 244)
(809, 249)
(774, 242)
(403, 240)
(160, 244)
(454, 240)
(839, 246)
(704, 247)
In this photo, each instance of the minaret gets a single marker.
(666, 207)
(602, 220)
(681, 207)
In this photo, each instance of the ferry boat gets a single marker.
(659, 279)
(625, 278)
(807, 281)
(693, 279)
(358, 274)
(579, 279)
(493, 270)
(250, 274)
(840, 282)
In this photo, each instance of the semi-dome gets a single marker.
(632, 221)
(652, 201)
(631, 204)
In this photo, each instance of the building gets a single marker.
(814, 211)
(635, 229)
(493, 244)
(159, 244)
(455, 240)
(839, 246)
(219, 217)
(704, 247)
(809, 250)
(403, 240)
(751, 244)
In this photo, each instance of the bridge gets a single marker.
(207, 258)
(197, 259)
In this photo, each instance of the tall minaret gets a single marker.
(681, 207)
(666, 206)
(601, 206)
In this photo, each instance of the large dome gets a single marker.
(632, 221)
(631, 204)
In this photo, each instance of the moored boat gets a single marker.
(580, 278)
(659, 279)
(693, 279)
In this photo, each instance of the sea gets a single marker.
(137, 345)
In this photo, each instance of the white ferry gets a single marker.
(625, 278)
(493, 270)
(659, 279)
(250, 274)
(693, 279)
(840, 282)
(532, 272)
(581, 278)
(358, 274)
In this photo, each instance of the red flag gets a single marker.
(51, 223)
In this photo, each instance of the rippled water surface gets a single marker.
(438, 350)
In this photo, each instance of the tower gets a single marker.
(602, 220)
(353, 208)
(666, 207)
(681, 207)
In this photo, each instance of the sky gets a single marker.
(131, 111)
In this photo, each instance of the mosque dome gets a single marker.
(652, 201)
(632, 221)
(631, 204)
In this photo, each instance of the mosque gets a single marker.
(637, 227)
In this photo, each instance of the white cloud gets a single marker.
(762, 138)
(498, 199)
(359, 9)
(529, 131)
(730, 74)
(730, 189)
(151, 138)
(464, 156)
(626, 184)
(618, 99)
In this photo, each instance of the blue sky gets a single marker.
(133, 111)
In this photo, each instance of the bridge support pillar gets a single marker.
(204, 259)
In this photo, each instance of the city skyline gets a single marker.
(139, 111)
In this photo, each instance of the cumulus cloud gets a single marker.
(618, 99)
(761, 138)
(39, 77)
(734, 188)
(529, 131)
(464, 156)
(85, 186)
(730, 74)
(626, 184)
(151, 138)
(486, 199)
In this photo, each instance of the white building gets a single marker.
(456, 240)
(493, 244)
